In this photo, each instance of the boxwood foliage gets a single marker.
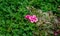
(12, 19)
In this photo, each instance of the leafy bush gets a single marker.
(13, 12)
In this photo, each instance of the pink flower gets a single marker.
(27, 16)
(55, 33)
(32, 18)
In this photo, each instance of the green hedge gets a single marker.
(13, 12)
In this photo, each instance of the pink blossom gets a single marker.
(55, 33)
(27, 16)
(32, 18)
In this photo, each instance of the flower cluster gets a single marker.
(32, 19)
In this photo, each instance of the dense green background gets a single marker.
(13, 12)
